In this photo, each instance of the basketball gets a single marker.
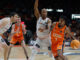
(75, 44)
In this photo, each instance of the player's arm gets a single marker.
(53, 25)
(12, 31)
(49, 23)
(2, 36)
(36, 11)
(69, 32)
(23, 29)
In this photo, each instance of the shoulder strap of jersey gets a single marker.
(56, 24)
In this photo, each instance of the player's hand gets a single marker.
(41, 30)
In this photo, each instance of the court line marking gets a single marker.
(70, 53)
(66, 53)
(13, 59)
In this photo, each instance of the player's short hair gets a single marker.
(43, 9)
(14, 13)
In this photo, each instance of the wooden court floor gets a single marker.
(17, 53)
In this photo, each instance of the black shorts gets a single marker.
(17, 43)
(7, 42)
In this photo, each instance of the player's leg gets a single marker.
(4, 45)
(35, 49)
(12, 42)
(9, 51)
(58, 58)
(54, 51)
(5, 52)
(60, 55)
(24, 48)
(49, 48)
(6, 48)
(46, 44)
(51, 54)
(55, 55)
(60, 49)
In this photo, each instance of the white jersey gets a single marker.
(41, 25)
(4, 24)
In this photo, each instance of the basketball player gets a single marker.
(18, 30)
(43, 28)
(59, 29)
(5, 33)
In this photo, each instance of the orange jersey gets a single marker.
(17, 37)
(57, 34)
(57, 37)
